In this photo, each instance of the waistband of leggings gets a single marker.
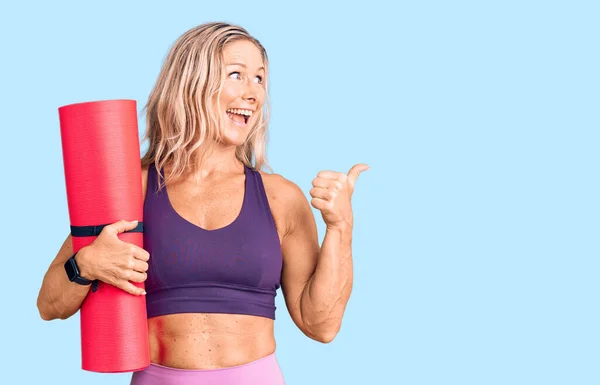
(228, 368)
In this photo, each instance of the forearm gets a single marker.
(326, 294)
(59, 297)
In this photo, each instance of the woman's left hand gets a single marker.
(332, 193)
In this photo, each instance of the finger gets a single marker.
(320, 204)
(331, 174)
(355, 172)
(140, 254)
(322, 193)
(137, 252)
(137, 265)
(122, 226)
(133, 276)
(136, 276)
(327, 183)
(130, 287)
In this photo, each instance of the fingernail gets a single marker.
(143, 293)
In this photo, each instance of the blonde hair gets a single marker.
(181, 120)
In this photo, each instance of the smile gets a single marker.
(239, 116)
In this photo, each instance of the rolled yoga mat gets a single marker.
(101, 156)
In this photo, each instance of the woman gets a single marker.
(220, 236)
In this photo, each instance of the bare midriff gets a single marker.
(209, 341)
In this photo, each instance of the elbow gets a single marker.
(44, 315)
(50, 317)
(325, 337)
(43, 311)
(322, 327)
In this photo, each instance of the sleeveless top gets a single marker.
(235, 269)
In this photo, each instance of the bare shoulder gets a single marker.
(286, 199)
(281, 190)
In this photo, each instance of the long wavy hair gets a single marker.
(181, 121)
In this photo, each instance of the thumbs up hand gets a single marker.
(331, 194)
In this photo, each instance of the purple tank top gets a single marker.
(235, 269)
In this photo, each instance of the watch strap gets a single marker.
(75, 276)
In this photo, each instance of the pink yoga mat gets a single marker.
(101, 153)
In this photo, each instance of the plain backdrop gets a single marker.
(476, 238)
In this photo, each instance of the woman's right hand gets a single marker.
(114, 261)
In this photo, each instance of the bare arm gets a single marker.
(327, 292)
(59, 297)
(317, 281)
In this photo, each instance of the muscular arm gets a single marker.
(59, 297)
(316, 280)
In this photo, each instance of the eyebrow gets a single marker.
(243, 65)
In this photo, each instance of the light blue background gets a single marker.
(476, 238)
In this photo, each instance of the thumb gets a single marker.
(355, 172)
(123, 225)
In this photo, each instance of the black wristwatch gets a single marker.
(73, 272)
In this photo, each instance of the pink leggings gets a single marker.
(264, 371)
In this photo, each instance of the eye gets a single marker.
(260, 79)
(235, 73)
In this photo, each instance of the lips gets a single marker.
(239, 116)
(240, 120)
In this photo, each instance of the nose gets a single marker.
(249, 93)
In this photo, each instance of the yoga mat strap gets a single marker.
(91, 231)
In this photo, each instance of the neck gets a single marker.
(220, 160)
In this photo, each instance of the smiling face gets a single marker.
(243, 91)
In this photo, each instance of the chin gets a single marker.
(233, 141)
(235, 134)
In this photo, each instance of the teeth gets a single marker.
(240, 111)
